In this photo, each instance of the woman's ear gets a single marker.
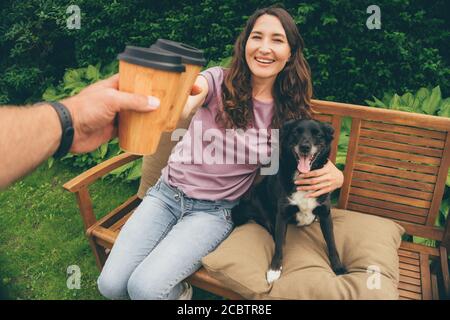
(328, 131)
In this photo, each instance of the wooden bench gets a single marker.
(396, 167)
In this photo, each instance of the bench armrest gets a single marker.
(91, 175)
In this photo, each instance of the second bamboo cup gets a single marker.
(150, 73)
(193, 60)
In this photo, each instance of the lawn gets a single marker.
(41, 235)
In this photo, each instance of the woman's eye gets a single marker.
(278, 40)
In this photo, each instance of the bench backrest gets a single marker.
(396, 166)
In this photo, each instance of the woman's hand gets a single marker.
(320, 181)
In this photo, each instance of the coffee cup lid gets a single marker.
(151, 58)
(189, 55)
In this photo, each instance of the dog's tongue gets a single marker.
(303, 165)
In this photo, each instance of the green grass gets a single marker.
(42, 234)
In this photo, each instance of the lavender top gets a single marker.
(211, 163)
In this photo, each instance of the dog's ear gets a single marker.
(328, 131)
(287, 127)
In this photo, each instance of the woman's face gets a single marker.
(267, 49)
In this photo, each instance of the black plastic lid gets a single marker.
(189, 55)
(152, 58)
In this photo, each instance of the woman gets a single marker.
(187, 213)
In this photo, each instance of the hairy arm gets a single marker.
(28, 136)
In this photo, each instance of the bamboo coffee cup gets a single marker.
(193, 59)
(151, 73)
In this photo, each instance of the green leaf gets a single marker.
(103, 150)
(444, 108)
(72, 76)
(408, 99)
(430, 104)
(135, 172)
(92, 73)
(424, 241)
(422, 94)
(50, 162)
(395, 102)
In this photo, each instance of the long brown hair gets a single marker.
(292, 89)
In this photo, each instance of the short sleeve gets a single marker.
(214, 77)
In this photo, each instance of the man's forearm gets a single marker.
(28, 136)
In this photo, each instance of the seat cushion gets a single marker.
(367, 246)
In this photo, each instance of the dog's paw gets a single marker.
(305, 219)
(340, 270)
(273, 275)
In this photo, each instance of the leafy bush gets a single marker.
(349, 62)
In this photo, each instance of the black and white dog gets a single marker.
(273, 203)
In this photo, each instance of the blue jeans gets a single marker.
(162, 243)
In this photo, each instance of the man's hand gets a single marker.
(320, 181)
(93, 111)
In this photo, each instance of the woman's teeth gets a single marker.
(265, 61)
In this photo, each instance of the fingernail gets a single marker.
(153, 102)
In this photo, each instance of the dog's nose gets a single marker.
(305, 148)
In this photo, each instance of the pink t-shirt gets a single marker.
(211, 163)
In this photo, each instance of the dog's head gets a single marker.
(308, 141)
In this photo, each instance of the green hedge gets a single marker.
(349, 62)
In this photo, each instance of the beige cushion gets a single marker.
(362, 240)
(154, 163)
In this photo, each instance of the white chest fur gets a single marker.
(305, 215)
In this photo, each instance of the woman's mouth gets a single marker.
(264, 62)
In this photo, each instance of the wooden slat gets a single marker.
(397, 164)
(388, 189)
(111, 218)
(436, 153)
(414, 262)
(349, 163)
(440, 183)
(409, 254)
(322, 117)
(389, 205)
(444, 267)
(411, 274)
(380, 114)
(386, 213)
(404, 129)
(104, 234)
(203, 280)
(399, 155)
(426, 279)
(422, 186)
(407, 175)
(91, 175)
(85, 205)
(410, 280)
(410, 267)
(419, 248)
(390, 197)
(409, 287)
(409, 294)
(336, 122)
(400, 138)
(119, 224)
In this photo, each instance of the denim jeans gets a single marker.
(162, 243)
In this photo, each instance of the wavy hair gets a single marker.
(292, 89)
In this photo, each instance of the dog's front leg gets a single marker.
(280, 234)
(326, 224)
